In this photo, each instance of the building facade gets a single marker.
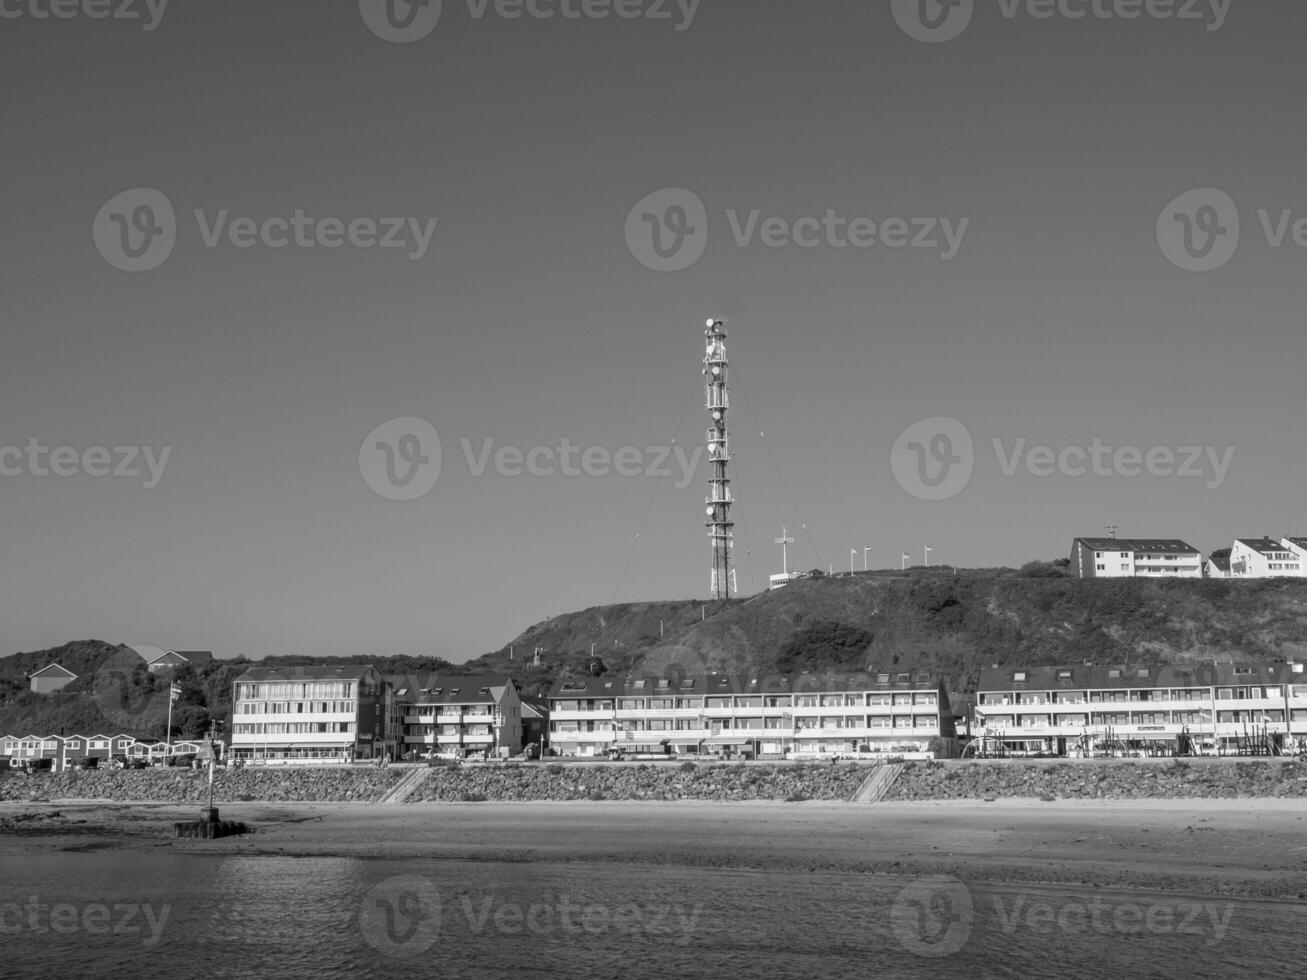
(1135, 558)
(51, 678)
(310, 714)
(457, 716)
(1266, 558)
(1205, 708)
(727, 714)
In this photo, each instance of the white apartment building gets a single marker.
(1089, 710)
(1135, 558)
(1267, 558)
(457, 716)
(769, 715)
(310, 714)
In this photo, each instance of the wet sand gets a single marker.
(1228, 847)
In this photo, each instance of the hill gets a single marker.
(937, 620)
(953, 623)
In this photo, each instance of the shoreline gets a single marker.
(1211, 847)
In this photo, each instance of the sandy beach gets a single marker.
(1230, 847)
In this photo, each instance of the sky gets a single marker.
(989, 285)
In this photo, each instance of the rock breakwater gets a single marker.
(1106, 779)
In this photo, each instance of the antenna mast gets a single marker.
(719, 499)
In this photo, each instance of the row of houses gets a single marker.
(70, 751)
(1172, 558)
(775, 715)
(1203, 708)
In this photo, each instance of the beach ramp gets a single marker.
(877, 785)
(406, 787)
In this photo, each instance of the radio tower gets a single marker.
(719, 499)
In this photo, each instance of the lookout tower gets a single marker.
(719, 498)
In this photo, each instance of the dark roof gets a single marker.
(447, 688)
(1261, 545)
(701, 684)
(315, 673)
(195, 656)
(1137, 544)
(1298, 542)
(1222, 562)
(1129, 676)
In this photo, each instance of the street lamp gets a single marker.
(864, 558)
(926, 555)
(903, 565)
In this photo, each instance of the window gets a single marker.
(1114, 672)
(1019, 676)
(687, 684)
(1141, 672)
(1064, 675)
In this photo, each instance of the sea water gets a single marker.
(159, 915)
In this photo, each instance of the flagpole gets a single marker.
(173, 690)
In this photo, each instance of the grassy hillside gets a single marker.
(937, 620)
(922, 619)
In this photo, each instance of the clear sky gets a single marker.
(530, 315)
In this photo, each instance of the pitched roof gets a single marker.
(609, 686)
(448, 688)
(1298, 542)
(314, 673)
(1220, 562)
(1261, 545)
(1137, 544)
(1127, 676)
(52, 667)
